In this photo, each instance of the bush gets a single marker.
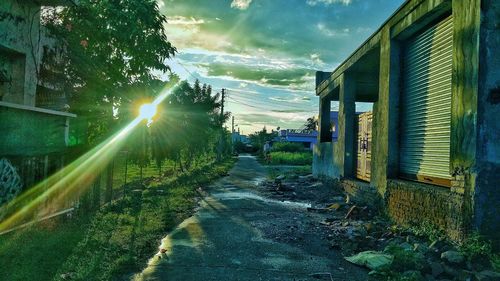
(288, 147)
(291, 158)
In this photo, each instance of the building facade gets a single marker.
(309, 138)
(432, 72)
(34, 122)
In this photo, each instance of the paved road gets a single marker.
(239, 235)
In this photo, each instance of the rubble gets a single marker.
(360, 234)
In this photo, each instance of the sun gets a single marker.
(147, 111)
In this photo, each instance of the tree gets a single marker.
(111, 48)
(187, 125)
(311, 124)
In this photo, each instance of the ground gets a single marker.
(240, 232)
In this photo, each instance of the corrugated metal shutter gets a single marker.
(426, 105)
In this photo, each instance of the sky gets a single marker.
(266, 52)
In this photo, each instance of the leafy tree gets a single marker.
(187, 126)
(111, 48)
(311, 124)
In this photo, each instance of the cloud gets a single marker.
(330, 32)
(241, 4)
(262, 75)
(180, 20)
(328, 2)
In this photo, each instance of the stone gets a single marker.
(436, 269)
(453, 257)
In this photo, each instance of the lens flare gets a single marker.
(147, 111)
(67, 185)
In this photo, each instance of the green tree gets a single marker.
(187, 126)
(112, 47)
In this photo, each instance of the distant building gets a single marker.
(34, 122)
(309, 138)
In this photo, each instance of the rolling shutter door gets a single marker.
(426, 105)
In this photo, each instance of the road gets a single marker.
(238, 234)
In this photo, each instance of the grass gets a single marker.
(117, 240)
(291, 158)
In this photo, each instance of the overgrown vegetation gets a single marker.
(117, 240)
(287, 147)
(291, 158)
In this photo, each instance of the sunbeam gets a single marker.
(51, 194)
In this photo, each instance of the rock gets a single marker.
(453, 257)
(406, 246)
(436, 269)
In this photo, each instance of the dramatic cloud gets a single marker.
(241, 4)
(278, 77)
(328, 2)
(266, 52)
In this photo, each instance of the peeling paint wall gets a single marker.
(20, 50)
(487, 181)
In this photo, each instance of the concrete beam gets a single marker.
(346, 128)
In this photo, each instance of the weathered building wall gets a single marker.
(20, 50)
(323, 159)
(412, 203)
(472, 201)
(487, 169)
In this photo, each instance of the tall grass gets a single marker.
(291, 158)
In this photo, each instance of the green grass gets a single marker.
(117, 240)
(36, 253)
(291, 158)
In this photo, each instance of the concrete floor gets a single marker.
(237, 234)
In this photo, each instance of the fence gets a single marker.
(92, 193)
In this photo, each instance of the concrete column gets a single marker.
(325, 134)
(385, 152)
(346, 136)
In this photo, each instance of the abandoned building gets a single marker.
(34, 121)
(430, 148)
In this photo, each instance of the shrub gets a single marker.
(288, 147)
(290, 158)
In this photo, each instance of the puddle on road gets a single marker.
(238, 195)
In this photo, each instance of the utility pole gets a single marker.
(221, 140)
(232, 125)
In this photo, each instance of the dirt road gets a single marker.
(240, 234)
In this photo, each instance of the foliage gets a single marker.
(188, 125)
(311, 124)
(426, 229)
(258, 139)
(111, 51)
(495, 261)
(117, 240)
(288, 147)
(475, 246)
(291, 158)
(404, 259)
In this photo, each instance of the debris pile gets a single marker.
(368, 239)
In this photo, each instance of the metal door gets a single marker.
(364, 145)
(425, 125)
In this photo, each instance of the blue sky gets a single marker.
(265, 52)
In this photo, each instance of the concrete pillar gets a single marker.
(325, 134)
(385, 152)
(346, 136)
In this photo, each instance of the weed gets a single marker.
(475, 246)
(291, 158)
(288, 147)
(429, 231)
